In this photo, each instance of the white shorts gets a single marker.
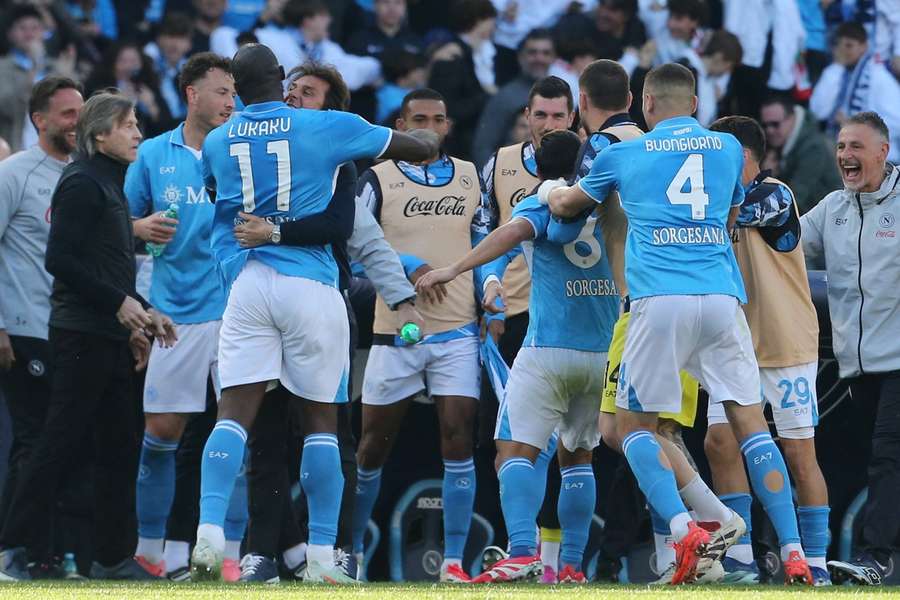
(394, 373)
(707, 336)
(550, 387)
(176, 376)
(292, 329)
(791, 391)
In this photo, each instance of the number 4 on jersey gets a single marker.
(690, 173)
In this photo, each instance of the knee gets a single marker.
(457, 434)
(372, 450)
(720, 445)
(801, 458)
(165, 426)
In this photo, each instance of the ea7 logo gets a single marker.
(840, 221)
(395, 186)
(218, 454)
(166, 170)
(509, 172)
(574, 486)
(762, 458)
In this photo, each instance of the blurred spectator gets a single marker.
(168, 53)
(403, 73)
(536, 54)
(28, 180)
(463, 71)
(25, 63)
(574, 56)
(798, 153)
(224, 39)
(208, 17)
(852, 231)
(721, 56)
(388, 32)
(816, 56)
(856, 82)
(770, 28)
(521, 130)
(127, 69)
(95, 18)
(516, 18)
(838, 12)
(304, 36)
(682, 35)
(241, 15)
(619, 28)
(5, 150)
(887, 34)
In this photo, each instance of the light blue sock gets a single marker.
(519, 498)
(740, 503)
(323, 483)
(459, 499)
(155, 486)
(814, 530)
(542, 463)
(769, 478)
(368, 483)
(238, 514)
(577, 499)
(223, 457)
(656, 481)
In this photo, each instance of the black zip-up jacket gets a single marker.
(90, 252)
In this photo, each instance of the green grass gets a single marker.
(171, 591)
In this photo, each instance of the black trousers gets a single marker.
(90, 392)
(878, 395)
(26, 389)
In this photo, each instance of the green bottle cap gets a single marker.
(410, 333)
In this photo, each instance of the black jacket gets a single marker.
(90, 251)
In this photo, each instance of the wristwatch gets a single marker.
(275, 235)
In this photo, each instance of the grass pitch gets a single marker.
(171, 591)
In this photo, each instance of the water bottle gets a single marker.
(410, 333)
(69, 566)
(153, 249)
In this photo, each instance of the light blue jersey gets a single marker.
(281, 163)
(677, 185)
(184, 285)
(574, 300)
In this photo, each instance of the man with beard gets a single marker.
(28, 179)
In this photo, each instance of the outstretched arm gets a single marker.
(416, 145)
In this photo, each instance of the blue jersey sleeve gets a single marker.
(564, 231)
(206, 169)
(355, 138)
(535, 213)
(137, 188)
(601, 179)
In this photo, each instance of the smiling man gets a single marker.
(854, 231)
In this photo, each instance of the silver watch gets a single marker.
(275, 235)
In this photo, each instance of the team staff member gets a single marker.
(427, 212)
(28, 180)
(186, 286)
(785, 332)
(94, 309)
(854, 231)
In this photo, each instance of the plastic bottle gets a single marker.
(154, 249)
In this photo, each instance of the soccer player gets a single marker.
(557, 375)
(680, 188)
(278, 162)
(509, 176)
(429, 215)
(785, 332)
(186, 286)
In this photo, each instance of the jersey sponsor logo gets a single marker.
(259, 128)
(44, 191)
(840, 221)
(664, 236)
(517, 197)
(396, 186)
(166, 170)
(446, 206)
(509, 172)
(685, 144)
(576, 288)
(885, 234)
(886, 221)
(173, 194)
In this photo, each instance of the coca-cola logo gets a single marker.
(446, 206)
(517, 197)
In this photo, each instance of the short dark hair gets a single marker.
(197, 66)
(671, 79)
(297, 11)
(551, 87)
(338, 95)
(629, 7)
(466, 14)
(176, 24)
(557, 153)
(20, 11)
(571, 48)
(852, 30)
(605, 83)
(421, 94)
(538, 33)
(747, 131)
(43, 91)
(694, 9)
(727, 44)
(398, 63)
(781, 99)
(872, 119)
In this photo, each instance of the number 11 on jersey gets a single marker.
(282, 151)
